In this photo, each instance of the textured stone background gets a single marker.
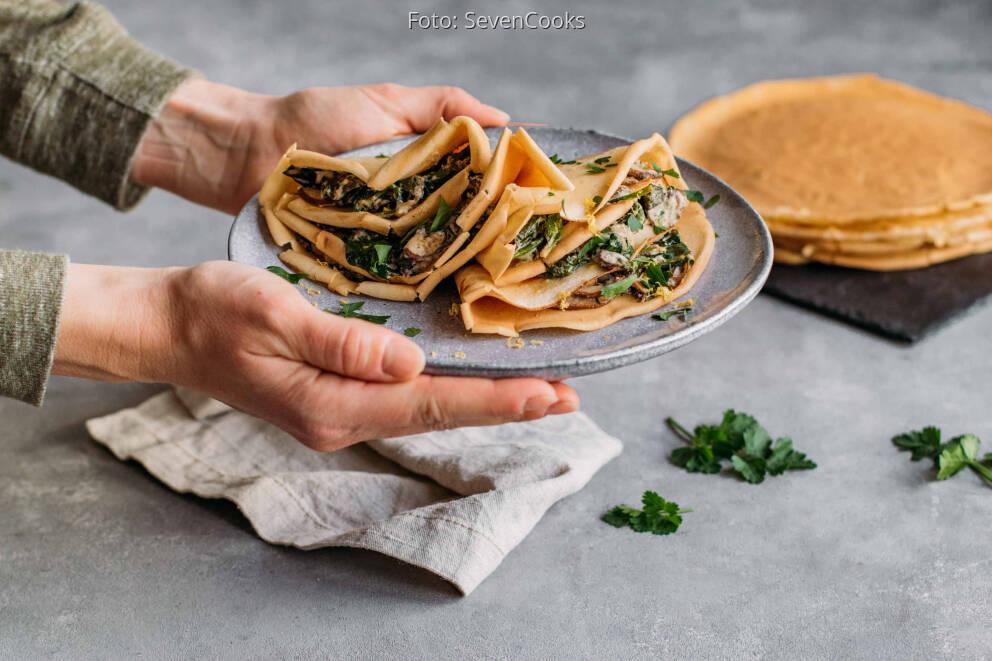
(864, 557)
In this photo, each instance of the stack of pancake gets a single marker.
(856, 170)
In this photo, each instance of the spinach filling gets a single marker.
(539, 234)
(414, 252)
(612, 246)
(342, 189)
(659, 266)
(608, 240)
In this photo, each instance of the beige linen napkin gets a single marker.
(453, 502)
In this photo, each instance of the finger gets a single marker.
(568, 400)
(356, 349)
(427, 403)
(445, 402)
(423, 105)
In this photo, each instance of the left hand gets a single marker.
(214, 144)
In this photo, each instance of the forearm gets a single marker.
(115, 324)
(77, 94)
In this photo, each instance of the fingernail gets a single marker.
(505, 116)
(538, 404)
(558, 408)
(402, 360)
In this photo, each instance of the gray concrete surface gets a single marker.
(865, 557)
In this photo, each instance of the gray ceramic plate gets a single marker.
(738, 268)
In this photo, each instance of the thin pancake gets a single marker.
(842, 148)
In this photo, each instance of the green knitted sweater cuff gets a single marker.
(31, 288)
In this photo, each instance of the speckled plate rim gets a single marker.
(609, 359)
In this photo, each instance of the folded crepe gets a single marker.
(625, 241)
(397, 225)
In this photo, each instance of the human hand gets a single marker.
(248, 338)
(214, 144)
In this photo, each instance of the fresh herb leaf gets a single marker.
(382, 251)
(616, 288)
(554, 159)
(751, 468)
(597, 199)
(665, 315)
(710, 202)
(784, 458)
(594, 169)
(634, 223)
(744, 442)
(670, 172)
(551, 194)
(412, 332)
(659, 516)
(640, 192)
(351, 310)
(603, 159)
(381, 156)
(286, 275)
(922, 444)
(441, 217)
(948, 458)
(694, 195)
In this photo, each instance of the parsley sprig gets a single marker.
(352, 310)
(659, 516)
(948, 458)
(743, 441)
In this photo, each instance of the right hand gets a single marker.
(250, 339)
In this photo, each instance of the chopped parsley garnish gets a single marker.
(411, 332)
(352, 310)
(554, 159)
(670, 172)
(697, 196)
(603, 159)
(597, 199)
(634, 223)
(668, 314)
(592, 168)
(616, 288)
(640, 192)
(743, 441)
(441, 217)
(381, 156)
(659, 516)
(551, 194)
(286, 275)
(948, 458)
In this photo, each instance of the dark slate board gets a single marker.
(902, 305)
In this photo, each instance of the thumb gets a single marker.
(423, 105)
(357, 349)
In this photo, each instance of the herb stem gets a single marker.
(982, 470)
(678, 429)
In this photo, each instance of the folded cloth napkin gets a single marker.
(453, 502)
